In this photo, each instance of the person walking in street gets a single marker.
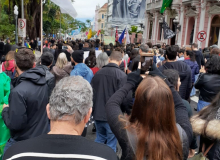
(105, 83)
(62, 68)
(80, 68)
(69, 110)
(7, 47)
(208, 82)
(4, 95)
(101, 61)
(206, 123)
(9, 65)
(190, 60)
(145, 134)
(25, 115)
(183, 69)
(46, 62)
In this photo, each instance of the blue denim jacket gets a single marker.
(82, 70)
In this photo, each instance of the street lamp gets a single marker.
(176, 24)
(16, 20)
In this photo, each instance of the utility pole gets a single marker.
(22, 16)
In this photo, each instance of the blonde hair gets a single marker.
(61, 61)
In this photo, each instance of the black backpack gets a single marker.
(10, 73)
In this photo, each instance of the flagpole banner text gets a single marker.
(128, 11)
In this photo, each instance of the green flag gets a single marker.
(166, 3)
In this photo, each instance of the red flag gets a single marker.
(116, 35)
(98, 32)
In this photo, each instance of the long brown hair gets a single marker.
(154, 119)
(10, 56)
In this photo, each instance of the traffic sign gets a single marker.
(22, 27)
(202, 35)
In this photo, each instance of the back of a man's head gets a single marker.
(215, 51)
(47, 59)
(86, 45)
(144, 48)
(24, 59)
(71, 100)
(194, 46)
(171, 52)
(116, 56)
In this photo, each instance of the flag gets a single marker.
(98, 32)
(122, 36)
(127, 38)
(116, 35)
(168, 33)
(75, 32)
(89, 34)
(166, 3)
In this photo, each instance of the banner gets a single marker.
(75, 32)
(168, 33)
(108, 40)
(128, 11)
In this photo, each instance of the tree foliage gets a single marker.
(53, 20)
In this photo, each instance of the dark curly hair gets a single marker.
(192, 55)
(213, 65)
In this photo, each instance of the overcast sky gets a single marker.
(86, 8)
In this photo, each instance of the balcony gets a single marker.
(155, 4)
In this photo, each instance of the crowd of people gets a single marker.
(48, 103)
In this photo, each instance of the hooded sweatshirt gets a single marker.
(185, 76)
(194, 68)
(82, 70)
(26, 115)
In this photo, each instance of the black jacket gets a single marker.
(105, 83)
(199, 58)
(208, 85)
(185, 76)
(1, 48)
(26, 115)
(7, 48)
(49, 78)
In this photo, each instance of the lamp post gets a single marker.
(16, 23)
(161, 26)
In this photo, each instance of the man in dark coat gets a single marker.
(25, 116)
(105, 83)
(7, 47)
(183, 69)
(1, 49)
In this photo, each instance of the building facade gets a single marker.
(96, 23)
(102, 17)
(194, 17)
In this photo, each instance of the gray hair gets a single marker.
(144, 48)
(72, 96)
(102, 60)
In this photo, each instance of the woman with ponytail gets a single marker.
(190, 60)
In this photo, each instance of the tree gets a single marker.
(88, 21)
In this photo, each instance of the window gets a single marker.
(103, 16)
(102, 25)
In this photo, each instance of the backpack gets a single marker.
(9, 73)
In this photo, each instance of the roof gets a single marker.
(105, 6)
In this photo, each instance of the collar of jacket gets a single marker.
(212, 129)
(112, 65)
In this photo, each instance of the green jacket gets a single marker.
(4, 88)
(4, 95)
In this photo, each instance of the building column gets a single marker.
(187, 22)
(166, 20)
(146, 29)
(155, 27)
(182, 12)
(195, 27)
(202, 18)
(208, 31)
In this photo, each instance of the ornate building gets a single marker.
(192, 15)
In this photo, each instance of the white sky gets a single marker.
(86, 8)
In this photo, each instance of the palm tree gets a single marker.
(88, 21)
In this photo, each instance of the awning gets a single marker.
(66, 6)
